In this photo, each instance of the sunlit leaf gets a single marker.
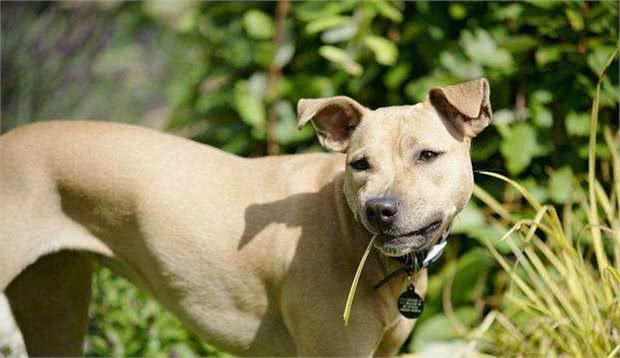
(286, 130)
(560, 185)
(386, 9)
(481, 47)
(577, 123)
(258, 24)
(548, 54)
(541, 116)
(459, 66)
(342, 58)
(439, 328)
(249, 106)
(385, 51)
(341, 33)
(519, 147)
(326, 23)
(597, 58)
(396, 75)
(457, 11)
(575, 19)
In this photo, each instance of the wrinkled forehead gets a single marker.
(409, 125)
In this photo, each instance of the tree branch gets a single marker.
(275, 73)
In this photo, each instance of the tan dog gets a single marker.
(254, 255)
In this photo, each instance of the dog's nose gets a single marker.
(381, 212)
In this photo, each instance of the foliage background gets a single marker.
(230, 74)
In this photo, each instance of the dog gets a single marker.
(254, 255)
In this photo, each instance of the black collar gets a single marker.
(415, 261)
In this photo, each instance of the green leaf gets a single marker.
(439, 328)
(578, 124)
(484, 149)
(249, 106)
(541, 116)
(508, 12)
(387, 10)
(598, 57)
(323, 24)
(417, 89)
(575, 19)
(519, 147)
(537, 191)
(541, 96)
(179, 15)
(469, 267)
(313, 10)
(264, 54)
(520, 43)
(258, 24)
(385, 51)
(286, 130)
(469, 219)
(503, 117)
(460, 66)
(543, 4)
(480, 46)
(457, 11)
(491, 233)
(560, 184)
(341, 58)
(396, 75)
(467, 270)
(284, 54)
(341, 33)
(548, 54)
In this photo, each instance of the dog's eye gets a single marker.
(428, 155)
(360, 164)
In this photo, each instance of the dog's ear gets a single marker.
(333, 118)
(467, 105)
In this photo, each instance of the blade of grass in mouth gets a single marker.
(358, 273)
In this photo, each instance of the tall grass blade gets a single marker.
(601, 258)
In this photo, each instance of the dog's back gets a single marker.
(44, 165)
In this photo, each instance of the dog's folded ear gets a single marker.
(333, 118)
(466, 105)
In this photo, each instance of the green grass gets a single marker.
(564, 293)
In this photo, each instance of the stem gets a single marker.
(275, 73)
(595, 231)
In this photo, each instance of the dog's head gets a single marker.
(408, 168)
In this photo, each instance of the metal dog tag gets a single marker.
(410, 304)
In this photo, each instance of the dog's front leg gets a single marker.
(318, 339)
(394, 338)
(318, 328)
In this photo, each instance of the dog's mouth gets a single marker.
(426, 230)
(417, 240)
